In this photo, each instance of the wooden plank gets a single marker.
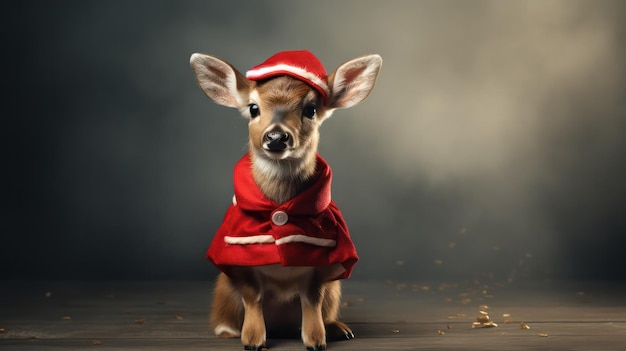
(449, 341)
(383, 315)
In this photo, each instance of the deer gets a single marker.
(283, 246)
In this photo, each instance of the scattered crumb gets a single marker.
(506, 315)
(484, 307)
(524, 325)
(444, 286)
(96, 342)
(449, 326)
(395, 331)
(458, 315)
(440, 332)
(484, 313)
(543, 335)
(508, 321)
(179, 318)
(2, 330)
(139, 321)
(483, 321)
(48, 294)
(66, 318)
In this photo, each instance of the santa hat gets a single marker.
(301, 65)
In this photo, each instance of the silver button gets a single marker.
(279, 218)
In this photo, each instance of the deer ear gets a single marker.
(220, 81)
(352, 82)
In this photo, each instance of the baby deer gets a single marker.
(283, 243)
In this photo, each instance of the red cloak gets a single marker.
(307, 230)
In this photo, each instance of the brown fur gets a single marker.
(252, 299)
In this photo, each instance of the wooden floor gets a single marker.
(384, 316)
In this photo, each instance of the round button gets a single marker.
(279, 218)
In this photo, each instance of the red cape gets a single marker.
(307, 230)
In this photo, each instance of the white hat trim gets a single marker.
(260, 72)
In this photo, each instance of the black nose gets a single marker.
(277, 140)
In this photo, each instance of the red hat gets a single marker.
(302, 65)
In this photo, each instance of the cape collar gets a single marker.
(311, 201)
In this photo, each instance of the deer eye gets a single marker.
(254, 110)
(309, 111)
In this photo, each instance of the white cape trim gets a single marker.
(268, 239)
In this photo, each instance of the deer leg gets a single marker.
(253, 333)
(227, 312)
(335, 329)
(313, 331)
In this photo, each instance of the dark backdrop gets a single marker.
(492, 146)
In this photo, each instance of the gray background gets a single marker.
(492, 146)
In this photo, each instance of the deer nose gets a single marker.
(276, 140)
(277, 135)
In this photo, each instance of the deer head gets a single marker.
(285, 99)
